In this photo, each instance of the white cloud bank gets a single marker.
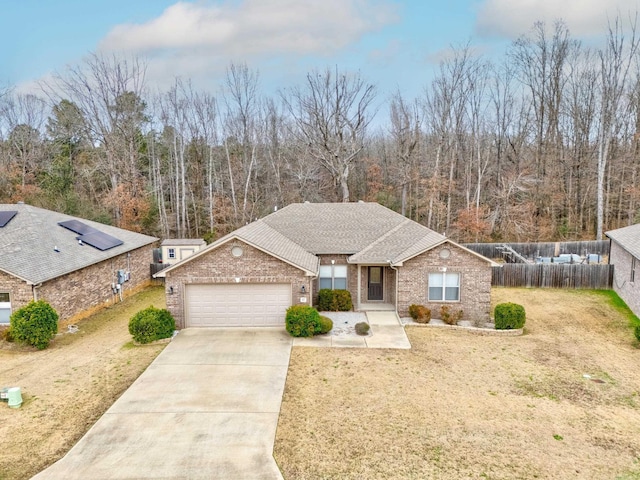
(200, 39)
(512, 18)
(254, 26)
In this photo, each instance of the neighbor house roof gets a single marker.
(34, 248)
(367, 233)
(628, 238)
(178, 242)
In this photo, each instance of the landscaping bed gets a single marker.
(68, 386)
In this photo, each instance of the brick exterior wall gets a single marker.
(19, 292)
(220, 266)
(80, 293)
(622, 285)
(475, 283)
(255, 266)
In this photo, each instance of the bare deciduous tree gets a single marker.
(331, 113)
(616, 59)
(406, 134)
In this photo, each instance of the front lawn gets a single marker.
(561, 401)
(68, 386)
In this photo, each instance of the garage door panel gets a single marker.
(237, 304)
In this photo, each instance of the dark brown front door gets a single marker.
(375, 283)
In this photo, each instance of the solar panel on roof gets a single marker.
(5, 217)
(91, 236)
(100, 240)
(76, 226)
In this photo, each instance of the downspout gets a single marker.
(359, 286)
(397, 281)
(313, 279)
(34, 291)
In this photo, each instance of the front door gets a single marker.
(375, 283)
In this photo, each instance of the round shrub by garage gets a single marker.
(34, 324)
(151, 324)
(302, 321)
(509, 316)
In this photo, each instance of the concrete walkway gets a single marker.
(386, 332)
(207, 407)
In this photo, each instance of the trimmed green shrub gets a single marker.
(334, 300)
(509, 316)
(302, 321)
(636, 332)
(151, 324)
(34, 324)
(362, 328)
(420, 313)
(449, 317)
(324, 325)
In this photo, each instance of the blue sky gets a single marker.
(394, 43)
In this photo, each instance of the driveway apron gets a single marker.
(207, 407)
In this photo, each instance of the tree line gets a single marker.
(542, 144)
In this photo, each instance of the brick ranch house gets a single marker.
(74, 264)
(624, 254)
(252, 275)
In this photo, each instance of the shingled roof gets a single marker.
(366, 232)
(628, 238)
(34, 248)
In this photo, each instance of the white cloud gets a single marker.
(198, 40)
(512, 18)
(254, 27)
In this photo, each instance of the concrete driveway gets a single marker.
(207, 407)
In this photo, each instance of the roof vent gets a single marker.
(20, 202)
(360, 201)
(307, 201)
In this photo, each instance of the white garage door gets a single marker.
(237, 304)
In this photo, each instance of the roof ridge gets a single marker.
(382, 238)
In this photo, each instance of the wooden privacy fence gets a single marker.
(553, 276)
(543, 249)
(155, 268)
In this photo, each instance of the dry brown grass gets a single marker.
(464, 406)
(68, 386)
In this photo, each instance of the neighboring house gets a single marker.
(252, 275)
(624, 255)
(76, 265)
(177, 249)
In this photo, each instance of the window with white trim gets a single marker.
(333, 277)
(172, 253)
(5, 308)
(444, 287)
